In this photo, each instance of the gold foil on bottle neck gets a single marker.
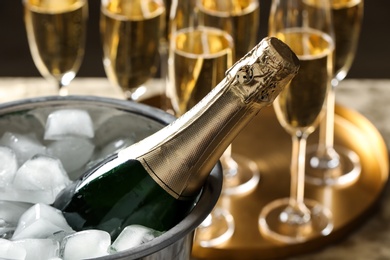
(190, 147)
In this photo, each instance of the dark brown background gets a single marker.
(371, 60)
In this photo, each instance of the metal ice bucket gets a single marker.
(176, 243)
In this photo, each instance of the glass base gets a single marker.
(216, 229)
(341, 167)
(274, 226)
(241, 175)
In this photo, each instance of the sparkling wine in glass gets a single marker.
(131, 31)
(200, 57)
(240, 18)
(56, 35)
(331, 165)
(298, 108)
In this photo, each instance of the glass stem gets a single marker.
(327, 157)
(327, 123)
(298, 169)
(229, 165)
(297, 213)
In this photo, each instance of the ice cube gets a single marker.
(85, 244)
(60, 235)
(39, 249)
(74, 152)
(6, 229)
(10, 250)
(24, 146)
(10, 212)
(40, 221)
(132, 236)
(8, 166)
(68, 122)
(31, 196)
(41, 172)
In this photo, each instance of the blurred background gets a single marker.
(15, 60)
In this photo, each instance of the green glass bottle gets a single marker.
(155, 182)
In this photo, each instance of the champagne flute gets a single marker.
(305, 25)
(131, 31)
(56, 35)
(240, 18)
(335, 165)
(198, 59)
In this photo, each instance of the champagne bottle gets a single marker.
(155, 182)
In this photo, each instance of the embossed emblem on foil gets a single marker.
(262, 76)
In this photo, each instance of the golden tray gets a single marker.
(269, 146)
